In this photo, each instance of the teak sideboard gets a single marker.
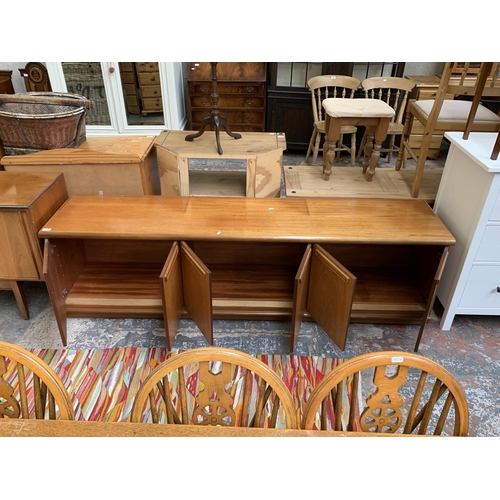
(333, 261)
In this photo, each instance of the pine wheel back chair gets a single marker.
(410, 395)
(443, 115)
(330, 86)
(215, 386)
(394, 91)
(29, 388)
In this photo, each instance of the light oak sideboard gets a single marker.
(333, 261)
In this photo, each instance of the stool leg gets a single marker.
(368, 147)
(380, 135)
(332, 135)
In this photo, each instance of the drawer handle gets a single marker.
(249, 102)
(204, 101)
(204, 89)
(249, 89)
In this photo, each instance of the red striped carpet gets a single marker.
(103, 383)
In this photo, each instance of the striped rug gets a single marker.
(103, 383)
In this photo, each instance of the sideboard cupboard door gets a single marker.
(300, 294)
(172, 293)
(197, 286)
(330, 295)
(55, 287)
(186, 287)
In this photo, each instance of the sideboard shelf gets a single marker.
(334, 261)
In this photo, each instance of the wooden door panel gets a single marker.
(57, 291)
(330, 295)
(172, 293)
(197, 285)
(19, 249)
(300, 294)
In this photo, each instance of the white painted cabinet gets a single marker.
(468, 202)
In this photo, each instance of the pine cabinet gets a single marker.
(148, 78)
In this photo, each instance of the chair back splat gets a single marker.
(29, 388)
(215, 386)
(410, 394)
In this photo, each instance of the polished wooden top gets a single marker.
(21, 189)
(77, 428)
(95, 150)
(311, 220)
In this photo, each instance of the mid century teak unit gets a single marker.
(101, 165)
(260, 153)
(329, 260)
(27, 201)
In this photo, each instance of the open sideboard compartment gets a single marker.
(289, 278)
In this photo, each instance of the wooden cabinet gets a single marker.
(130, 87)
(334, 261)
(262, 154)
(148, 78)
(27, 201)
(6, 86)
(242, 94)
(468, 202)
(101, 165)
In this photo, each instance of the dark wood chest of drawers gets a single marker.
(242, 94)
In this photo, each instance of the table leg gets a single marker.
(332, 135)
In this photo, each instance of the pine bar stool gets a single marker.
(374, 114)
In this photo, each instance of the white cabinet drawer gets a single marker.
(481, 288)
(489, 249)
(495, 213)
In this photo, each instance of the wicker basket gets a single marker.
(36, 121)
